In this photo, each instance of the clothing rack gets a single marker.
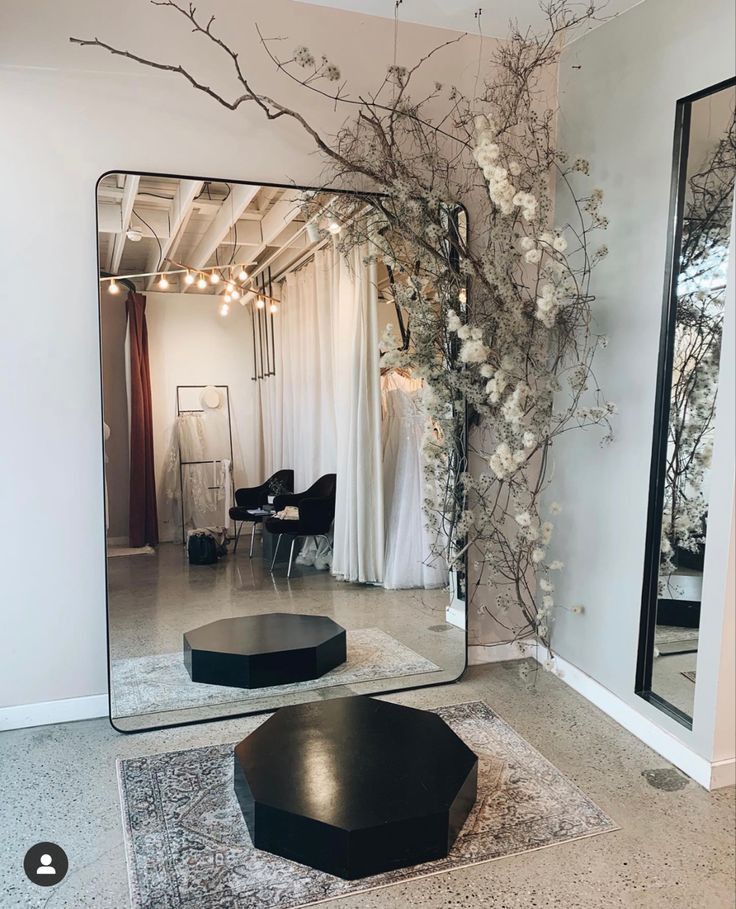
(183, 464)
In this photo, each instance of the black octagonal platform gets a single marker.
(262, 650)
(354, 786)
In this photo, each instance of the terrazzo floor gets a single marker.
(154, 599)
(675, 848)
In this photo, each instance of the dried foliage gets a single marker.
(498, 319)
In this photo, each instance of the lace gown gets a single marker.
(408, 558)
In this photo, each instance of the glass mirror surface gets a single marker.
(692, 348)
(266, 540)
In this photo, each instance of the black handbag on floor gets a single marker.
(202, 549)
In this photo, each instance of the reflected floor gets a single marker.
(669, 682)
(154, 599)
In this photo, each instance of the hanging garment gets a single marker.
(409, 561)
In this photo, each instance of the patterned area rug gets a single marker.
(670, 634)
(188, 847)
(160, 682)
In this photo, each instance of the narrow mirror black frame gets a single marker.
(461, 568)
(648, 622)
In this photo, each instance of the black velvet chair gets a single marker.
(256, 497)
(316, 513)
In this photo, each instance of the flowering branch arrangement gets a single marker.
(498, 318)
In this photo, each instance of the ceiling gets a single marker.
(460, 14)
(177, 222)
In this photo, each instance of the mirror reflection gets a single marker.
(264, 479)
(708, 170)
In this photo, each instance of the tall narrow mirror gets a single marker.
(267, 541)
(687, 398)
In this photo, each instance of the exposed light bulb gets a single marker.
(260, 302)
(227, 298)
(163, 282)
(235, 293)
(334, 227)
(230, 288)
(134, 234)
(273, 309)
(113, 287)
(242, 275)
(224, 309)
(201, 283)
(189, 278)
(463, 295)
(214, 278)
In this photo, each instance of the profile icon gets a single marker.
(46, 867)
(46, 864)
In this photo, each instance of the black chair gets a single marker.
(256, 497)
(316, 514)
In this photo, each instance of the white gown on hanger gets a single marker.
(409, 561)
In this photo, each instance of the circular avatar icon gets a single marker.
(46, 864)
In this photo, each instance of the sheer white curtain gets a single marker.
(359, 535)
(321, 413)
(297, 406)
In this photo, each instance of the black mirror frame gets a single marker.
(648, 621)
(462, 567)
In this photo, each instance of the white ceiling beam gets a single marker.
(275, 222)
(109, 219)
(229, 212)
(182, 206)
(130, 188)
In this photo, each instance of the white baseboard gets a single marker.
(455, 615)
(46, 712)
(499, 653)
(723, 773)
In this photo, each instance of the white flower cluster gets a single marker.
(503, 462)
(303, 56)
(513, 407)
(548, 304)
(501, 189)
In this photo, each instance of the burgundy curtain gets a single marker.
(143, 522)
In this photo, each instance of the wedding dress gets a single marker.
(409, 561)
(207, 486)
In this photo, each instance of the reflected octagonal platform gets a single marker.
(257, 651)
(354, 786)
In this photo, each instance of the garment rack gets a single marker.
(183, 464)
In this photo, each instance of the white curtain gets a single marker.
(321, 412)
(359, 536)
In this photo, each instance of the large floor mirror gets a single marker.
(264, 481)
(701, 214)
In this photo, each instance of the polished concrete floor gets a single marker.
(674, 848)
(154, 599)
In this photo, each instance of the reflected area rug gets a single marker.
(188, 847)
(160, 682)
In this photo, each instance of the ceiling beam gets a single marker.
(229, 212)
(130, 188)
(182, 206)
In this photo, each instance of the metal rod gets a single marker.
(276, 552)
(273, 327)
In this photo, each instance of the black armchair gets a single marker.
(316, 513)
(256, 497)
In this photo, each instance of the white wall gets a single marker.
(70, 114)
(618, 88)
(189, 343)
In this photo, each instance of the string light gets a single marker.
(463, 295)
(201, 283)
(163, 282)
(224, 309)
(189, 278)
(230, 288)
(334, 227)
(113, 288)
(227, 298)
(235, 293)
(260, 302)
(273, 308)
(214, 278)
(242, 274)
